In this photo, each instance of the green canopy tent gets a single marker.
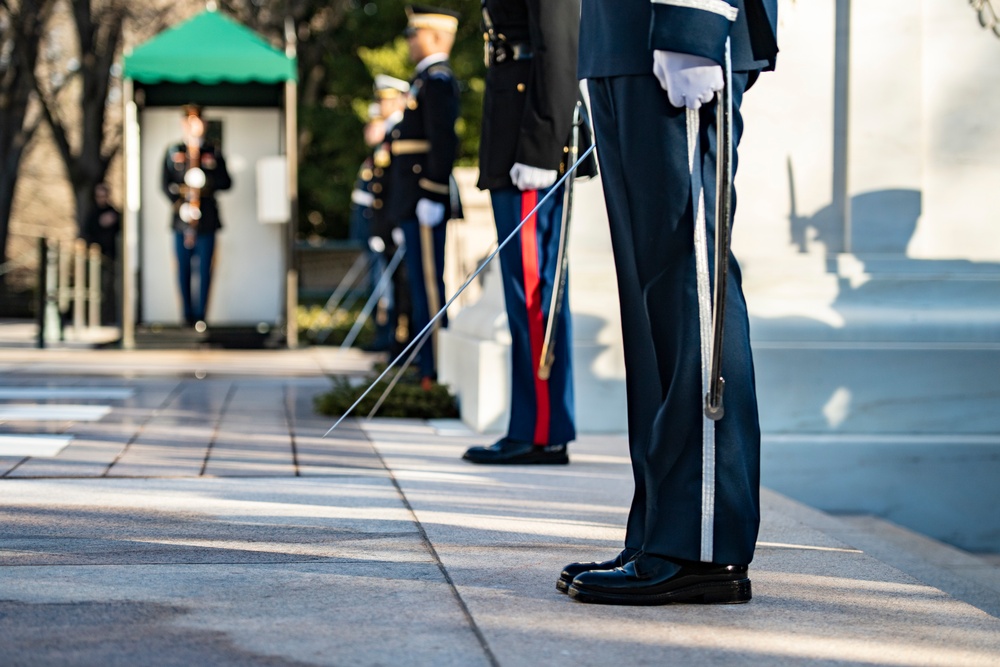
(214, 61)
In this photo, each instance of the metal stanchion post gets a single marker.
(79, 284)
(42, 289)
(65, 256)
(53, 321)
(94, 288)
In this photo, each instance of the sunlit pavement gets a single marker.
(179, 509)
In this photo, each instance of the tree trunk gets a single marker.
(6, 204)
(20, 39)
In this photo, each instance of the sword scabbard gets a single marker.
(548, 356)
(723, 220)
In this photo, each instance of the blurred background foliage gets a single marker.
(342, 45)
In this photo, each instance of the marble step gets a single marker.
(875, 298)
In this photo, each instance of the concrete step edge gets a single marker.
(960, 574)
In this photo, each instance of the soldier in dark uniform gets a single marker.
(694, 518)
(528, 110)
(103, 226)
(361, 196)
(424, 146)
(362, 209)
(193, 171)
(395, 301)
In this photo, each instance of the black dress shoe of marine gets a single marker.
(510, 451)
(573, 569)
(648, 579)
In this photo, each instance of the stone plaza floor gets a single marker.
(184, 508)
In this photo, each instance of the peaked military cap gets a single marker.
(434, 18)
(389, 86)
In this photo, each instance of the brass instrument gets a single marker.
(194, 179)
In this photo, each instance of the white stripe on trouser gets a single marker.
(705, 331)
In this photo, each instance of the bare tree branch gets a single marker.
(80, 128)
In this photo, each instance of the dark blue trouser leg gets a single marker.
(184, 257)
(204, 249)
(384, 330)
(541, 412)
(642, 144)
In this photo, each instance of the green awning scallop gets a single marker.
(209, 48)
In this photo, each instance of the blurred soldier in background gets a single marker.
(362, 197)
(394, 301)
(193, 171)
(424, 146)
(102, 227)
(528, 113)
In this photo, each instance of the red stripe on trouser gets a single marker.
(536, 321)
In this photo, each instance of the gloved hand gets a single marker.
(376, 244)
(689, 80)
(430, 213)
(398, 237)
(532, 178)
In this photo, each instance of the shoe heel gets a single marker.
(728, 592)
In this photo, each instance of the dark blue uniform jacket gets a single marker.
(424, 144)
(528, 105)
(175, 165)
(698, 27)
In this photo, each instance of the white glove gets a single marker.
(430, 213)
(376, 244)
(689, 80)
(398, 237)
(532, 178)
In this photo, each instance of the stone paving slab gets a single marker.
(965, 576)
(85, 456)
(164, 427)
(317, 361)
(280, 571)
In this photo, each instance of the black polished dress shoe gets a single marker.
(573, 569)
(514, 451)
(648, 579)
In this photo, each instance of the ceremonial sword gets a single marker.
(723, 224)
(430, 275)
(419, 338)
(711, 320)
(711, 307)
(548, 356)
(376, 295)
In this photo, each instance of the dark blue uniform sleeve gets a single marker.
(218, 178)
(440, 102)
(167, 177)
(698, 27)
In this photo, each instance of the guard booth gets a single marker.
(248, 91)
